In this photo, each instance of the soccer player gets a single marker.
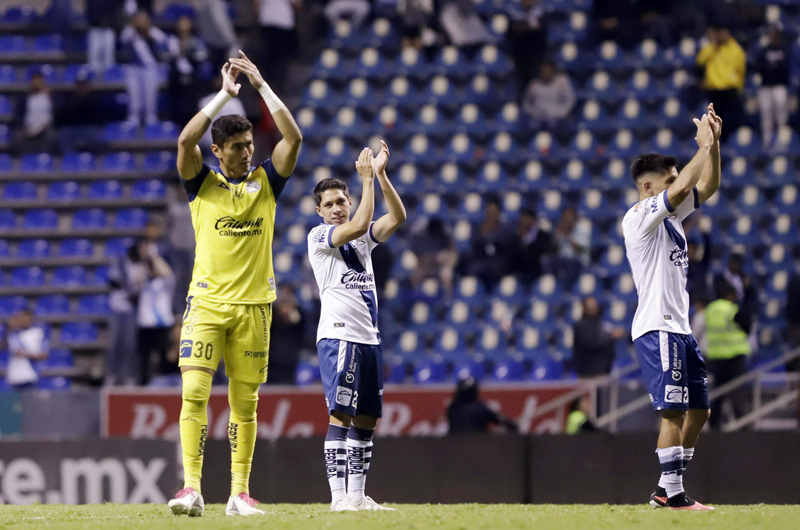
(655, 242)
(229, 307)
(348, 341)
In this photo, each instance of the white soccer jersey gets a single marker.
(656, 247)
(346, 284)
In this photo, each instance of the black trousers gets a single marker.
(153, 340)
(728, 105)
(724, 371)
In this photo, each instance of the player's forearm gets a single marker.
(194, 130)
(366, 208)
(393, 202)
(288, 127)
(690, 176)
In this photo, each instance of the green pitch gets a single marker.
(408, 516)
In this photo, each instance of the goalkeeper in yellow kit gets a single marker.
(229, 308)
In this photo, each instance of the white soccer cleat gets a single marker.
(368, 504)
(242, 504)
(343, 505)
(187, 502)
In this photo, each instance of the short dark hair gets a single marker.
(329, 184)
(226, 126)
(652, 163)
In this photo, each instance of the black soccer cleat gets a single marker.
(658, 499)
(682, 502)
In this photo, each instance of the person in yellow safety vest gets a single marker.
(578, 419)
(727, 327)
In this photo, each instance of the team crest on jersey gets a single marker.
(252, 186)
(223, 186)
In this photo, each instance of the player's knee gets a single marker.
(196, 388)
(675, 416)
(701, 415)
(243, 400)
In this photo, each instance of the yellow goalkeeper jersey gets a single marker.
(234, 221)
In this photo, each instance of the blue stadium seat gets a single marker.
(150, 189)
(460, 149)
(372, 64)
(593, 117)
(423, 318)
(19, 14)
(664, 141)
(394, 370)
(480, 91)
(347, 122)
(780, 171)
(684, 55)
(5, 163)
(412, 63)
(89, 219)
(440, 91)
(471, 290)
(306, 374)
(329, 63)
(428, 371)
(584, 146)
(27, 277)
(429, 121)
(57, 358)
(120, 132)
(508, 119)
(508, 369)
(56, 304)
(5, 107)
(541, 314)
(122, 161)
(545, 147)
(48, 43)
(359, 94)
(93, 304)
(76, 248)
(131, 218)
(78, 162)
(19, 191)
(158, 161)
(117, 246)
(492, 177)
(624, 145)
(12, 304)
(461, 316)
(467, 367)
(738, 173)
(632, 115)
(5, 249)
(320, 95)
(745, 142)
(491, 343)
(472, 208)
(54, 383)
(449, 341)
(717, 206)
(532, 177)
(337, 153)
(390, 120)
(8, 74)
(624, 289)
(575, 176)
(641, 85)
(783, 230)
(744, 231)
(601, 86)
(593, 205)
(79, 333)
(115, 74)
(452, 62)
(672, 113)
(492, 61)
(33, 249)
(531, 341)
(410, 345)
(74, 276)
(409, 180)
(751, 201)
(550, 204)
(547, 368)
(786, 200)
(649, 55)
(72, 71)
(588, 285)
(165, 130)
(613, 261)
(100, 276)
(402, 93)
(503, 148)
(677, 83)
(64, 191)
(612, 58)
(175, 10)
(105, 190)
(12, 44)
(40, 220)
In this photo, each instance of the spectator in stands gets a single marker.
(26, 343)
(699, 253)
(127, 276)
(279, 38)
(578, 419)
(793, 319)
(734, 275)
(699, 330)
(234, 106)
(532, 244)
(287, 337)
(181, 239)
(527, 34)
(356, 11)
(727, 327)
(467, 414)
(101, 39)
(155, 317)
(724, 63)
(573, 243)
(436, 252)
(418, 20)
(549, 98)
(772, 62)
(80, 108)
(187, 55)
(144, 47)
(462, 24)
(617, 20)
(489, 258)
(37, 132)
(595, 341)
(216, 29)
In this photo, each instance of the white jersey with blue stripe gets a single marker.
(346, 284)
(656, 247)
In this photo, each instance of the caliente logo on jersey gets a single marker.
(228, 226)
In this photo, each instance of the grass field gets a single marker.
(408, 516)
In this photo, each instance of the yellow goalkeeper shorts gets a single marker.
(235, 333)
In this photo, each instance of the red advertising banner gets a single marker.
(300, 412)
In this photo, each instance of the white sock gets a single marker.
(336, 460)
(359, 455)
(688, 453)
(671, 460)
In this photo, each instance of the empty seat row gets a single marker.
(156, 161)
(94, 218)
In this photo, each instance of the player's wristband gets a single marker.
(212, 109)
(273, 103)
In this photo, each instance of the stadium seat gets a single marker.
(5, 163)
(541, 314)
(100, 276)
(371, 64)
(451, 62)
(117, 246)
(460, 150)
(410, 344)
(491, 343)
(57, 358)
(158, 161)
(427, 371)
(50, 305)
(48, 43)
(33, 249)
(786, 200)
(532, 177)
(359, 95)
(40, 220)
(412, 63)
(130, 219)
(685, 54)
(118, 162)
(408, 180)
(545, 147)
(449, 341)
(12, 44)
(593, 117)
(546, 368)
(20, 191)
(5, 249)
(751, 201)
(12, 304)
(611, 57)
(492, 177)
(780, 171)
(79, 333)
(74, 276)
(593, 206)
(90, 219)
(480, 91)
(613, 261)
(503, 149)
(161, 131)
(624, 288)
(63, 191)
(390, 120)
(76, 248)
(394, 370)
(786, 141)
(550, 205)
(508, 369)
(472, 208)
(745, 142)
(27, 277)
(584, 146)
(783, 230)
(120, 132)
(672, 112)
(624, 145)
(114, 74)
(641, 86)
(401, 93)
(175, 10)
(423, 318)
(105, 190)
(72, 71)
(54, 383)
(575, 176)
(531, 342)
(650, 55)
(150, 189)
(739, 173)
(467, 367)
(492, 61)
(429, 121)
(440, 92)
(93, 304)
(508, 119)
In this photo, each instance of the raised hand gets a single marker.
(229, 84)
(364, 164)
(715, 122)
(248, 68)
(705, 137)
(380, 161)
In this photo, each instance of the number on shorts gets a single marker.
(208, 351)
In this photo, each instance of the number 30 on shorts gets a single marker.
(202, 349)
